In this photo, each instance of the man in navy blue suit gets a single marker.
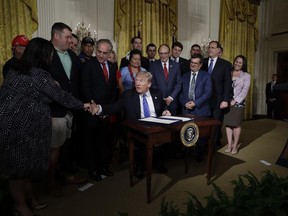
(167, 77)
(195, 95)
(196, 103)
(220, 70)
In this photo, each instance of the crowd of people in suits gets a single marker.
(62, 111)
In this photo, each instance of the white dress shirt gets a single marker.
(150, 104)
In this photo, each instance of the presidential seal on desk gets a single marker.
(189, 134)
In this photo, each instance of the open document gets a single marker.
(183, 119)
(159, 120)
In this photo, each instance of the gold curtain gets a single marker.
(16, 17)
(239, 35)
(156, 20)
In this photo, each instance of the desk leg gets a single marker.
(210, 154)
(149, 159)
(186, 159)
(131, 158)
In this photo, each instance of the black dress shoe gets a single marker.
(96, 176)
(107, 172)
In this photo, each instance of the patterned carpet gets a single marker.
(261, 140)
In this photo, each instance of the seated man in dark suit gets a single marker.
(139, 102)
(136, 43)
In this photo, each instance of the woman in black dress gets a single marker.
(25, 126)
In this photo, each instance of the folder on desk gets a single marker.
(160, 120)
(183, 119)
(165, 119)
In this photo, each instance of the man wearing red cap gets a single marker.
(18, 46)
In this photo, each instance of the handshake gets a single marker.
(91, 107)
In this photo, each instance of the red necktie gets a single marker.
(165, 71)
(105, 71)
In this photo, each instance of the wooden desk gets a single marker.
(155, 134)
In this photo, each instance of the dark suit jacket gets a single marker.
(93, 85)
(281, 87)
(70, 85)
(184, 65)
(9, 65)
(129, 103)
(221, 82)
(170, 87)
(144, 62)
(203, 92)
(271, 94)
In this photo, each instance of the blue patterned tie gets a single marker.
(210, 66)
(145, 106)
(192, 88)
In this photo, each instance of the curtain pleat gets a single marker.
(157, 21)
(16, 17)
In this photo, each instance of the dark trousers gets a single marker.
(96, 138)
(69, 151)
(272, 109)
(218, 114)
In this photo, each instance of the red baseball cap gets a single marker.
(20, 40)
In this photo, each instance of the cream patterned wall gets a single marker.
(268, 48)
(198, 21)
(99, 14)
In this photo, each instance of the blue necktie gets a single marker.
(145, 106)
(210, 68)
